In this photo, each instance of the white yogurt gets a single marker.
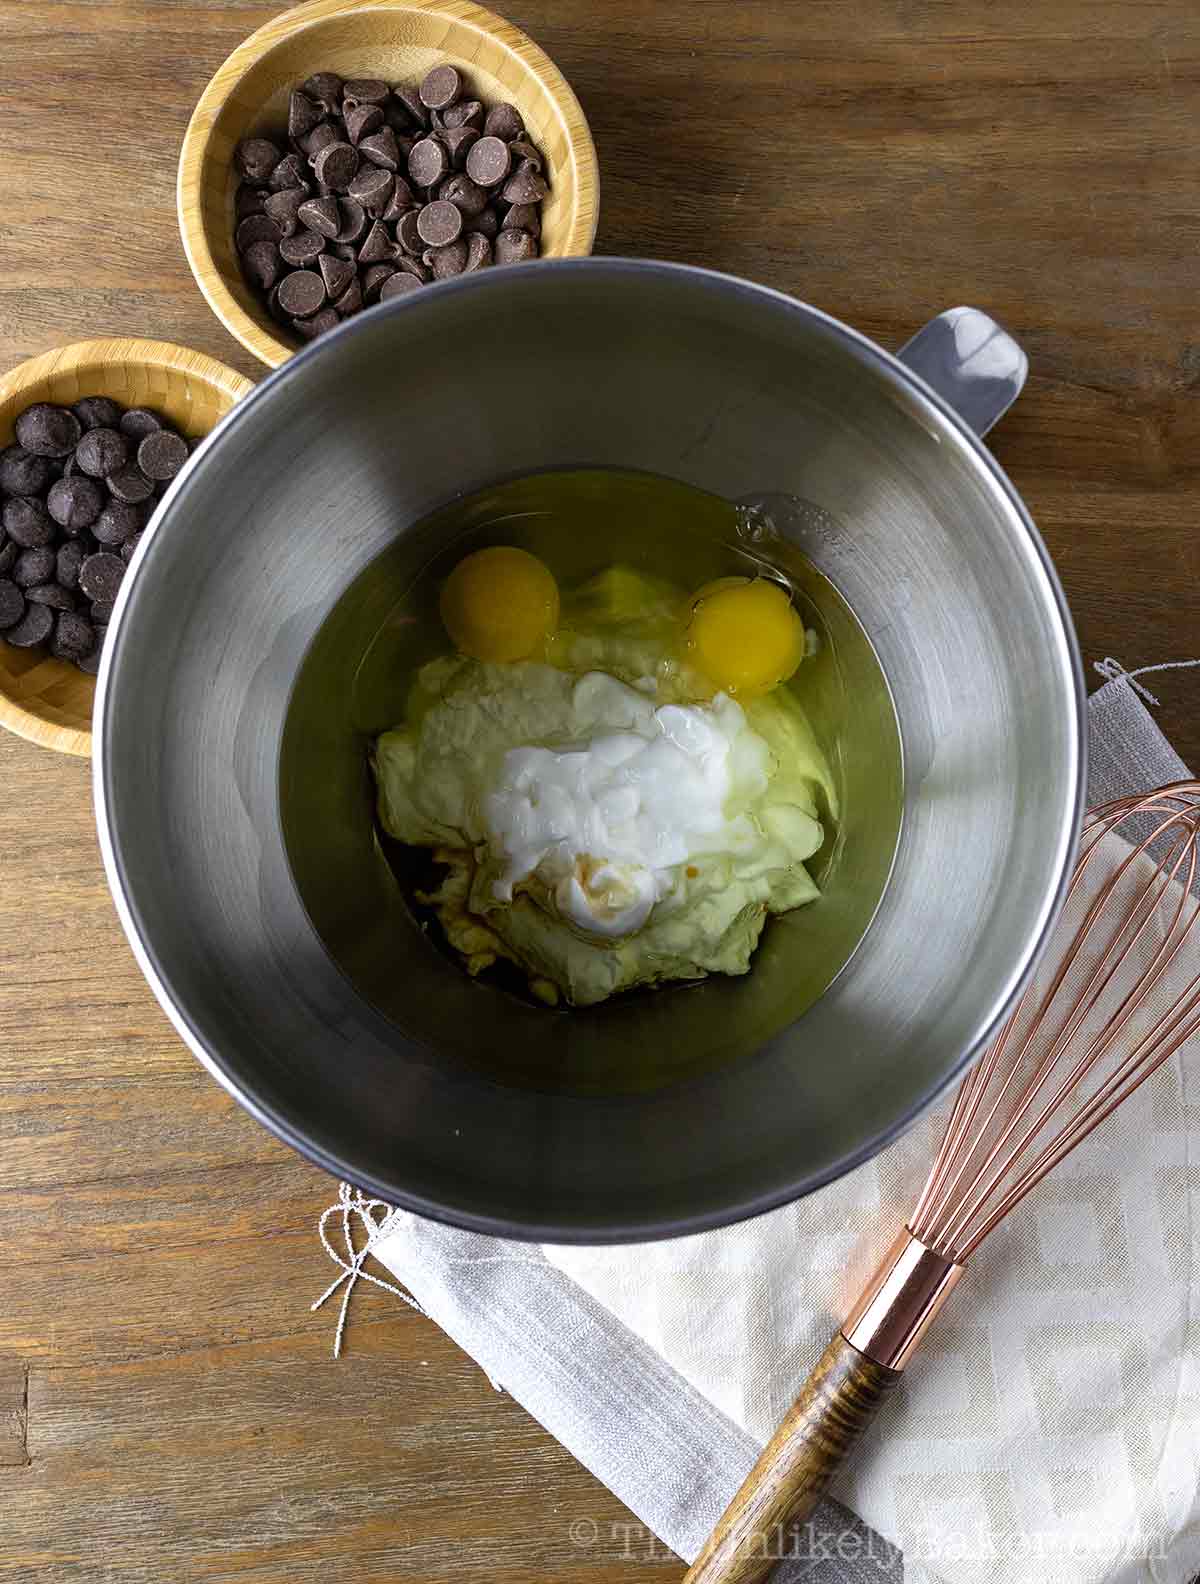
(609, 822)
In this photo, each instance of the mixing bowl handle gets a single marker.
(972, 362)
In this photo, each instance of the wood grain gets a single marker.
(763, 1523)
(882, 159)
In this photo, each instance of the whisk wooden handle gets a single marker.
(837, 1403)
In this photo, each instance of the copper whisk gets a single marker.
(1119, 1003)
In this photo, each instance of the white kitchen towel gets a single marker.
(1049, 1433)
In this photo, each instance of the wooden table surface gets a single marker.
(168, 1406)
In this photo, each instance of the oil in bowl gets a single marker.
(639, 656)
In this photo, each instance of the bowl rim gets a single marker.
(102, 352)
(1060, 862)
(269, 348)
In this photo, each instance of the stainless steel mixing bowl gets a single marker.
(327, 1013)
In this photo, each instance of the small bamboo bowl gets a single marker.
(397, 40)
(42, 699)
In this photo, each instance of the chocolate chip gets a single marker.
(336, 165)
(310, 329)
(525, 153)
(446, 261)
(399, 285)
(411, 100)
(117, 522)
(342, 250)
(351, 300)
(373, 279)
(33, 628)
(138, 422)
(400, 202)
(467, 113)
(130, 485)
(325, 89)
(101, 452)
(377, 247)
(458, 142)
(102, 610)
(413, 266)
(8, 554)
(27, 522)
(302, 249)
(382, 148)
(47, 430)
(525, 186)
(283, 209)
(336, 273)
(51, 594)
(160, 456)
(12, 602)
(75, 502)
(514, 247)
(23, 473)
(488, 161)
(256, 228)
(363, 120)
(429, 162)
(353, 220)
(479, 253)
(100, 575)
(440, 87)
(303, 114)
(373, 188)
(320, 215)
(67, 562)
(407, 234)
(503, 121)
(301, 294)
(74, 636)
(33, 567)
(256, 158)
(97, 412)
(524, 217)
(464, 194)
(365, 90)
(129, 547)
(319, 138)
(439, 224)
(260, 262)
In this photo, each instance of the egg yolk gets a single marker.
(744, 635)
(500, 604)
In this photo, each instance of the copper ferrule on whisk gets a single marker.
(900, 1302)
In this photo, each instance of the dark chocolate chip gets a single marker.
(504, 122)
(399, 285)
(467, 113)
(446, 261)
(362, 120)
(524, 186)
(353, 220)
(12, 603)
(138, 422)
(97, 412)
(33, 628)
(301, 294)
(458, 142)
(351, 300)
(488, 161)
(524, 217)
(440, 87)
(413, 266)
(33, 567)
(514, 247)
(336, 273)
(9, 551)
(67, 562)
(100, 575)
(320, 215)
(102, 610)
(319, 138)
(101, 452)
(373, 279)
(290, 172)
(117, 522)
(381, 148)
(479, 253)
(325, 89)
(411, 100)
(47, 430)
(377, 247)
(74, 636)
(524, 152)
(464, 194)
(302, 249)
(400, 202)
(336, 165)
(75, 502)
(429, 162)
(310, 329)
(373, 188)
(260, 262)
(160, 456)
(249, 201)
(23, 473)
(283, 209)
(129, 485)
(407, 234)
(439, 224)
(130, 546)
(51, 594)
(365, 90)
(303, 114)
(256, 158)
(256, 228)
(28, 522)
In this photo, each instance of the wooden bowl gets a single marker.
(397, 40)
(43, 699)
